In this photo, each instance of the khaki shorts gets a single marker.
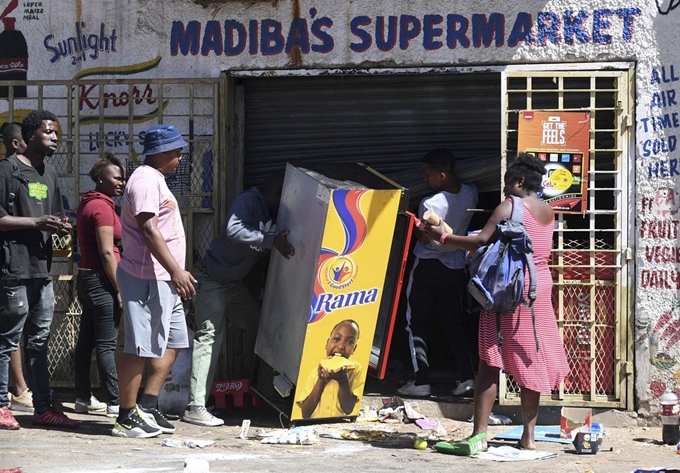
(154, 316)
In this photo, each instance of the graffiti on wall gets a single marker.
(430, 31)
(666, 6)
(33, 11)
(87, 43)
(661, 336)
(660, 125)
(13, 52)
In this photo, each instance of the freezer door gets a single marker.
(392, 290)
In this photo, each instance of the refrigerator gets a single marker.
(328, 311)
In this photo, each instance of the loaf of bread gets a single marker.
(435, 220)
(337, 362)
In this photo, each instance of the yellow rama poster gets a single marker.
(562, 140)
(344, 308)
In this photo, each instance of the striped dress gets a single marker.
(540, 371)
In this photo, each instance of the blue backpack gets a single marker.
(497, 270)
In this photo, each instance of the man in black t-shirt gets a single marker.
(30, 211)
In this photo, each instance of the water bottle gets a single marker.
(670, 417)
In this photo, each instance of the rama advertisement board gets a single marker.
(562, 141)
(342, 317)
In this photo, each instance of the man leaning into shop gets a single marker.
(223, 297)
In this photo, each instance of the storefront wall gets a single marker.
(139, 40)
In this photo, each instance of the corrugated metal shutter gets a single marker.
(385, 121)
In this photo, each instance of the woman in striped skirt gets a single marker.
(536, 371)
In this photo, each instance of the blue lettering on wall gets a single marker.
(409, 28)
(271, 37)
(627, 15)
(253, 28)
(212, 39)
(83, 46)
(430, 32)
(548, 28)
(664, 168)
(235, 38)
(364, 36)
(665, 75)
(601, 23)
(298, 36)
(521, 30)
(318, 31)
(111, 139)
(483, 31)
(573, 26)
(457, 31)
(386, 41)
(185, 40)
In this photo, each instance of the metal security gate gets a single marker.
(591, 261)
(112, 115)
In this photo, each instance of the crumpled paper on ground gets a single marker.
(297, 436)
(506, 453)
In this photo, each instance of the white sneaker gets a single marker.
(410, 389)
(112, 411)
(199, 415)
(134, 426)
(93, 406)
(464, 387)
(23, 402)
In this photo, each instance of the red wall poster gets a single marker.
(562, 141)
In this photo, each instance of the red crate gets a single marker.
(234, 393)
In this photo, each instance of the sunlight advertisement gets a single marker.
(562, 141)
(343, 312)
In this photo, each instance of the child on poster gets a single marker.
(333, 389)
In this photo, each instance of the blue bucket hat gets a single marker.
(162, 138)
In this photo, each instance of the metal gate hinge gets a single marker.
(627, 120)
(627, 368)
(628, 254)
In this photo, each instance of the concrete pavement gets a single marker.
(378, 447)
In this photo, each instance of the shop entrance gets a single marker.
(390, 119)
(592, 260)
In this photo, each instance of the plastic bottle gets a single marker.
(670, 417)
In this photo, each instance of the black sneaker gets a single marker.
(134, 427)
(155, 418)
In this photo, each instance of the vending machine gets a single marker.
(328, 311)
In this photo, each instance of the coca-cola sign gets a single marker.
(228, 386)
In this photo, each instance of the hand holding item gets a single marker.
(66, 226)
(49, 223)
(435, 220)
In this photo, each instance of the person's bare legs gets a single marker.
(486, 387)
(130, 371)
(530, 400)
(16, 373)
(158, 371)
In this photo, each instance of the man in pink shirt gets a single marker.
(152, 282)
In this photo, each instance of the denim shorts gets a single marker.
(154, 316)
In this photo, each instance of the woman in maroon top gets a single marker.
(99, 234)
